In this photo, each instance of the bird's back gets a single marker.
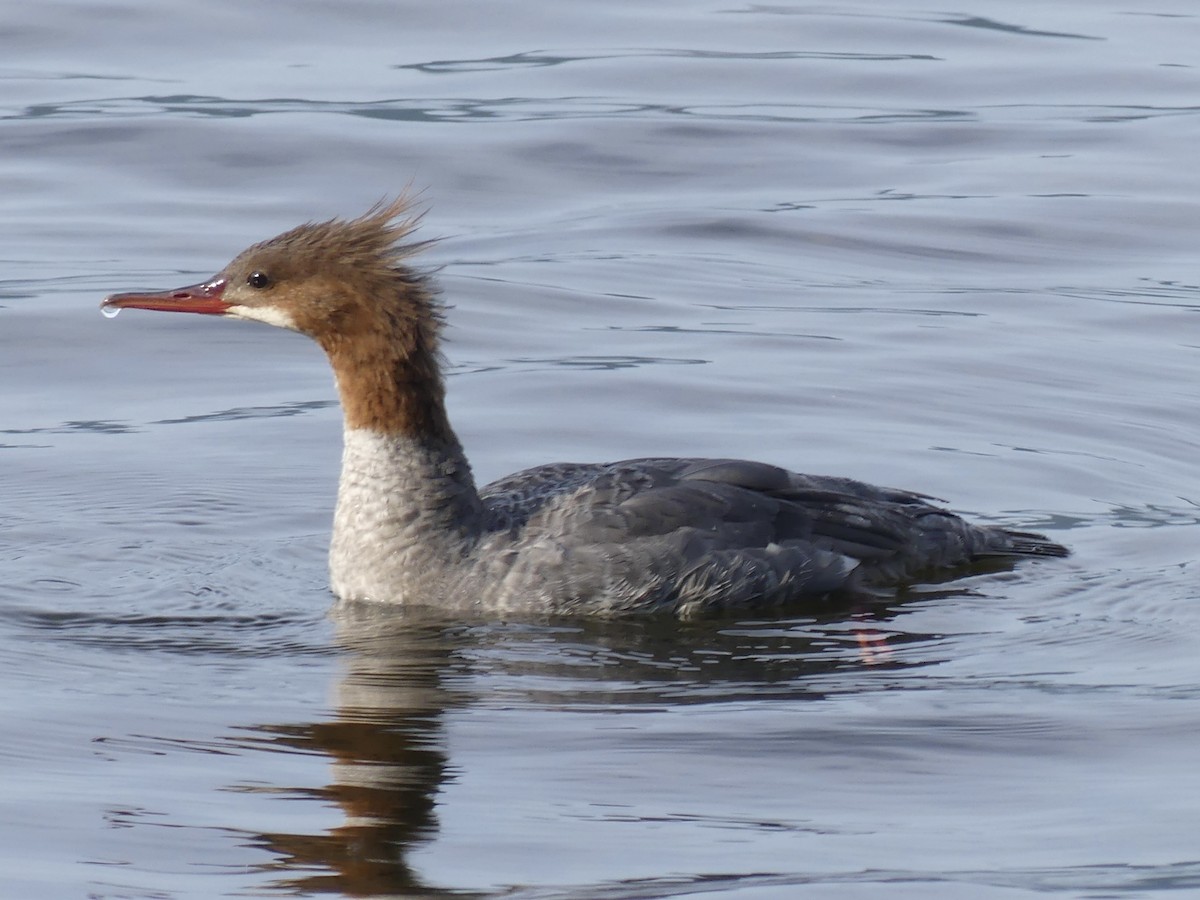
(694, 535)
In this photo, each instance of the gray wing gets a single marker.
(697, 534)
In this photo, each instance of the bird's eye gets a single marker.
(258, 280)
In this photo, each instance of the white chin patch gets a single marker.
(272, 315)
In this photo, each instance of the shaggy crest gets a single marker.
(373, 239)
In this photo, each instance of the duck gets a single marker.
(687, 537)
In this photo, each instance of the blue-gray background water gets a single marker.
(951, 251)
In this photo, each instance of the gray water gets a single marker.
(947, 251)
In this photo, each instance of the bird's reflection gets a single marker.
(404, 670)
(386, 745)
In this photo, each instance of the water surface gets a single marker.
(947, 251)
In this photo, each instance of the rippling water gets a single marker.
(948, 251)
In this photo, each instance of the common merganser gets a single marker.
(682, 536)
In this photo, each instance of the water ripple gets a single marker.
(295, 408)
(1098, 880)
(93, 426)
(211, 634)
(542, 58)
(603, 363)
(515, 108)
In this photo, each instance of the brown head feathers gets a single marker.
(347, 284)
(374, 239)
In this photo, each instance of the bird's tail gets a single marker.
(1021, 543)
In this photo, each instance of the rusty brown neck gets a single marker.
(392, 386)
